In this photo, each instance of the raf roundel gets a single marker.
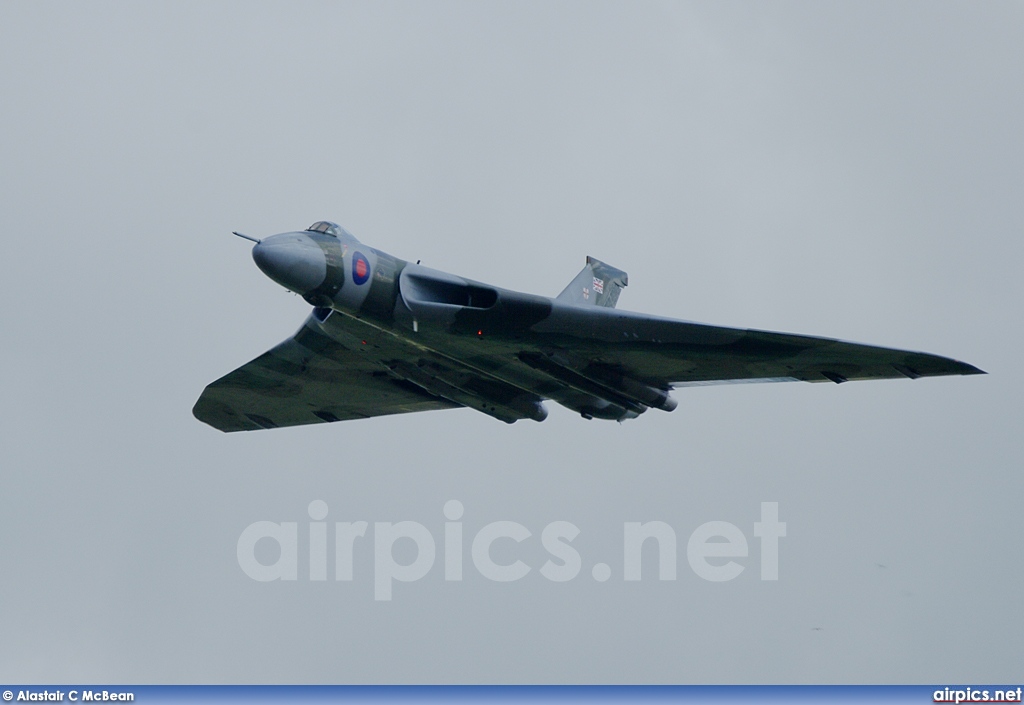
(360, 268)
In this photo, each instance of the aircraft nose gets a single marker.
(292, 260)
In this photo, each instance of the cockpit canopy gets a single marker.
(326, 227)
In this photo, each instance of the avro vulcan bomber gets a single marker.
(388, 337)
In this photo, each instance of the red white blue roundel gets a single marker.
(360, 268)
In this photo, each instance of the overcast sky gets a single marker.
(852, 170)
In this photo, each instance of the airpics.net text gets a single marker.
(712, 549)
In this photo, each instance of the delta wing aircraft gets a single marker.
(388, 337)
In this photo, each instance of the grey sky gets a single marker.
(851, 170)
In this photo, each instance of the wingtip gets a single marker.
(964, 368)
(206, 411)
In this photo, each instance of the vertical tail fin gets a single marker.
(597, 285)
